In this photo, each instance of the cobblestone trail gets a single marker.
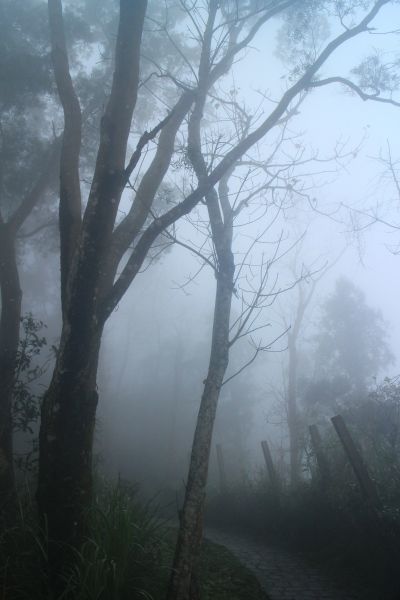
(282, 575)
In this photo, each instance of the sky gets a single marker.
(330, 115)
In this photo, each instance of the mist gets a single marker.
(199, 330)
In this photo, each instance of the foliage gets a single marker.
(25, 66)
(127, 554)
(117, 559)
(25, 401)
(375, 421)
(351, 349)
(374, 75)
(352, 340)
(305, 27)
(332, 529)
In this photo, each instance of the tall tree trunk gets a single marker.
(9, 337)
(190, 533)
(69, 407)
(66, 438)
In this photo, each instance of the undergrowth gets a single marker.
(334, 528)
(126, 555)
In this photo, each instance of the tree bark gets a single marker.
(190, 533)
(69, 406)
(11, 297)
(66, 439)
(70, 188)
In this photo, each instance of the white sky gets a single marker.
(330, 114)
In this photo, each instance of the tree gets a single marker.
(307, 282)
(351, 349)
(28, 166)
(352, 338)
(221, 215)
(29, 160)
(93, 247)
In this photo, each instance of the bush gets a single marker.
(127, 554)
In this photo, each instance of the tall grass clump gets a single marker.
(124, 555)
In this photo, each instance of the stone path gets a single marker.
(282, 575)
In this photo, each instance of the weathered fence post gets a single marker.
(221, 470)
(323, 465)
(366, 484)
(273, 477)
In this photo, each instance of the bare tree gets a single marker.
(272, 185)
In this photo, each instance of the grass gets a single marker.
(127, 555)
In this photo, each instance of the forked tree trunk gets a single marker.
(9, 337)
(190, 533)
(69, 407)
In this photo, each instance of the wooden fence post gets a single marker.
(273, 478)
(323, 465)
(221, 470)
(366, 484)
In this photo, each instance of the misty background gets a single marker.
(156, 344)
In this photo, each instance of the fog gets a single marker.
(272, 300)
(156, 345)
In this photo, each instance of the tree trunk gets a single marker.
(188, 545)
(69, 406)
(9, 337)
(66, 438)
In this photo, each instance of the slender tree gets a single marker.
(221, 215)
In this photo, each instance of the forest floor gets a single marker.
(288, 576)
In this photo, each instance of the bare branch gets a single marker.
(205, 186)
(258, 349)
(346, 82)
(191, 249)
(131, 225)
